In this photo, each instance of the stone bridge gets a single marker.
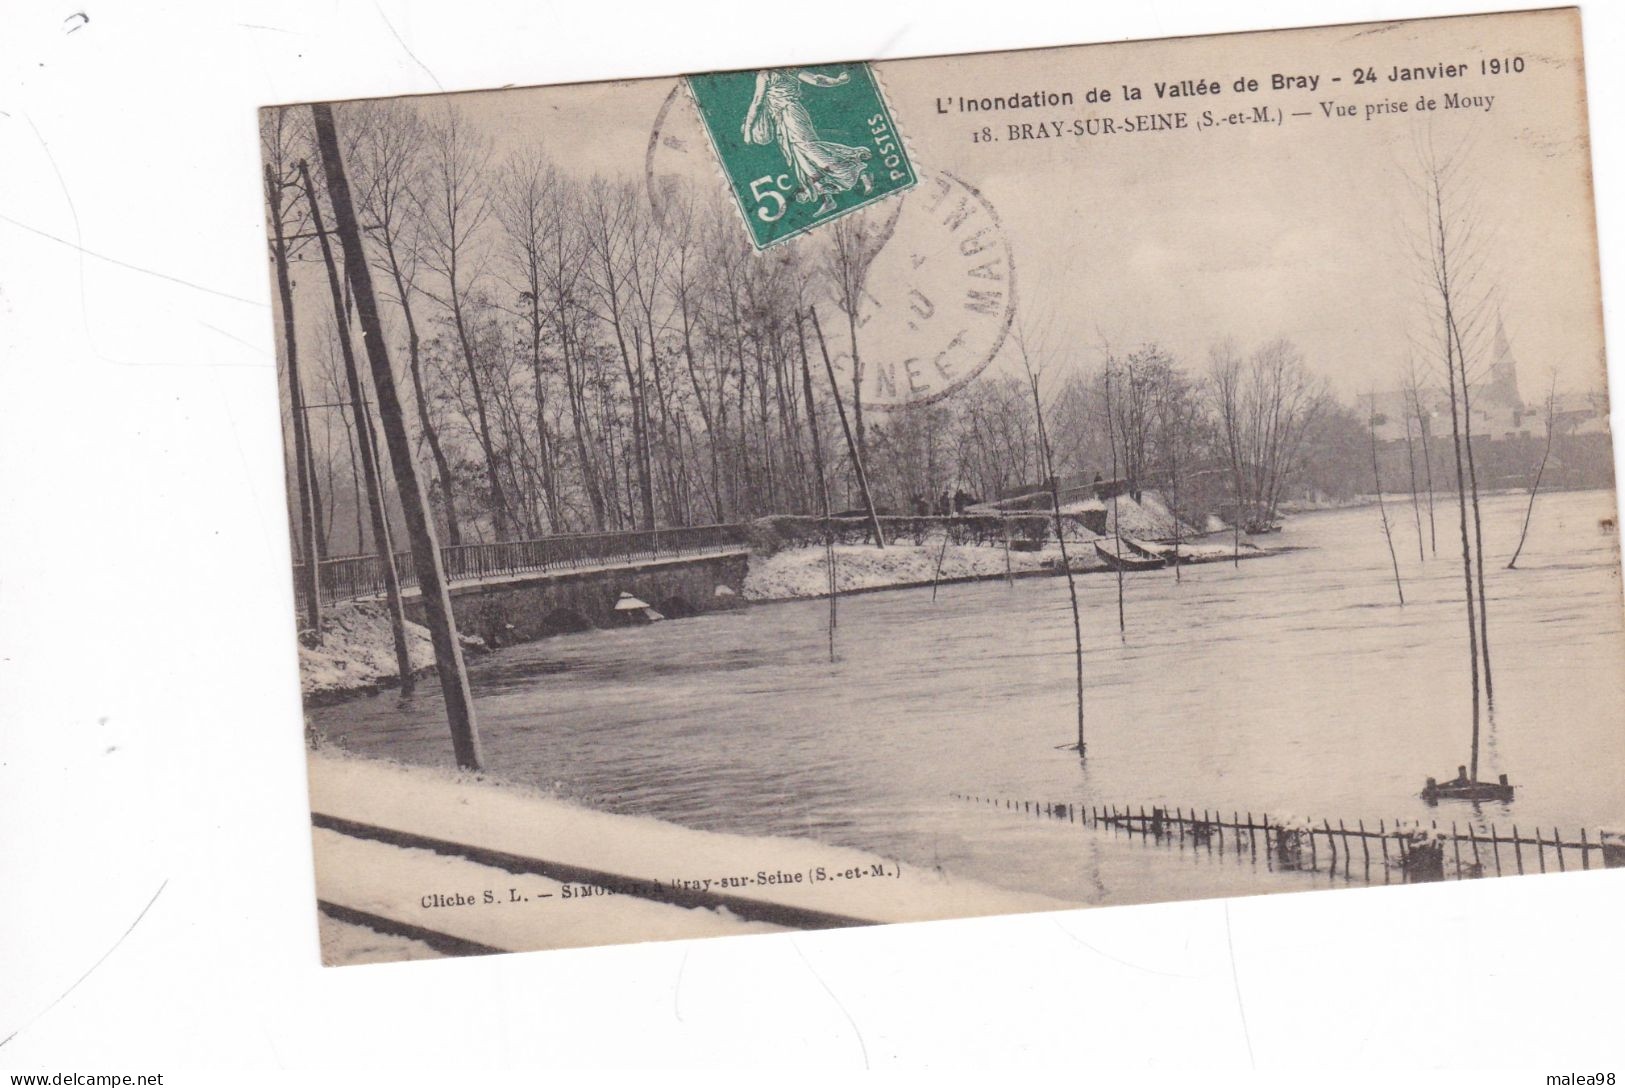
(523, 607)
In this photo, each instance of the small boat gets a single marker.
(1126, 560)
(1149, 549)
(1464, 788)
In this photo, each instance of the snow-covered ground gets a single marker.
(1150, 517)
(801, 572)
(529, 912)
(357, 651)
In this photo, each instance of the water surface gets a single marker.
(1292, 684)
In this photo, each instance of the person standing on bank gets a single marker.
(822, 168)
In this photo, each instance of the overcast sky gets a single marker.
(1301, 230)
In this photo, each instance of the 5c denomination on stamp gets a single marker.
(801, 147)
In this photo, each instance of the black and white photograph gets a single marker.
(1023, 542)
(979, 549)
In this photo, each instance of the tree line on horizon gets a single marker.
(578, 357)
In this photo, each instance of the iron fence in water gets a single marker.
(1411, 849)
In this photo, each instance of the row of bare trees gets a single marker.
(579, 357)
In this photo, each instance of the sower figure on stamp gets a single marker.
(822, 168)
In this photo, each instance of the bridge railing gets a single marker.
(353, 576)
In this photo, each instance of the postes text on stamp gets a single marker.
(801, 147)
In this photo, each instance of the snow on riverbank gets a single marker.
(423, 889)
(357, 651)
(800, 572)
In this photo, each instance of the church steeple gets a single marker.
(1503, 385)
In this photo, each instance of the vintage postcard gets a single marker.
(880, 492)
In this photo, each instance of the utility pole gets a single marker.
(310, 577)
(448, 654)
(369, 464)
(823, 481)
(851, 446)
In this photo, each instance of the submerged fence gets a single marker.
(1410, 849)
(350, 577)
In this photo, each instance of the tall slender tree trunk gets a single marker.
(1117, 532)
(1478, 524)
(311, 574)
(1461, 505)
(414, 362)
(1048, 459)
(857, 379)
(448, 651)
(549, 484)
(1382, 507)
(442, 468)
(369, 466)
(851, 444)
(1416, 502)
(712, 438)
(501, 513)
(823, 481)
(1534, 488)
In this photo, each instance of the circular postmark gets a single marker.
(939, 296)
(920, 288)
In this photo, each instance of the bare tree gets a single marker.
(456, 206)
(425, 549)
(1424, 425)
(278, 138)
(1534, 487)
(614, 243)
(389, 156)
(853, 243)
(1440, 244)
(523, 206)
(1048, 464)
(1382, 507)
(358, 405)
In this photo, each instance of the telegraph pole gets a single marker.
(369, 463)
(310, 575)
(448, 654)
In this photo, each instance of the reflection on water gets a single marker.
(1288, 685)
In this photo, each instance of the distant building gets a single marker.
(1498, 408)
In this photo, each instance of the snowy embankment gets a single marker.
(801, 572)
(446, 892)
(357, 651)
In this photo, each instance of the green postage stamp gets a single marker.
(802, 147)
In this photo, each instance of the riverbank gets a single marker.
(356, 654)
(797, 573)
(390, 901)
(801, 573)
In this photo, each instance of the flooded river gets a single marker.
(1291, 684)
